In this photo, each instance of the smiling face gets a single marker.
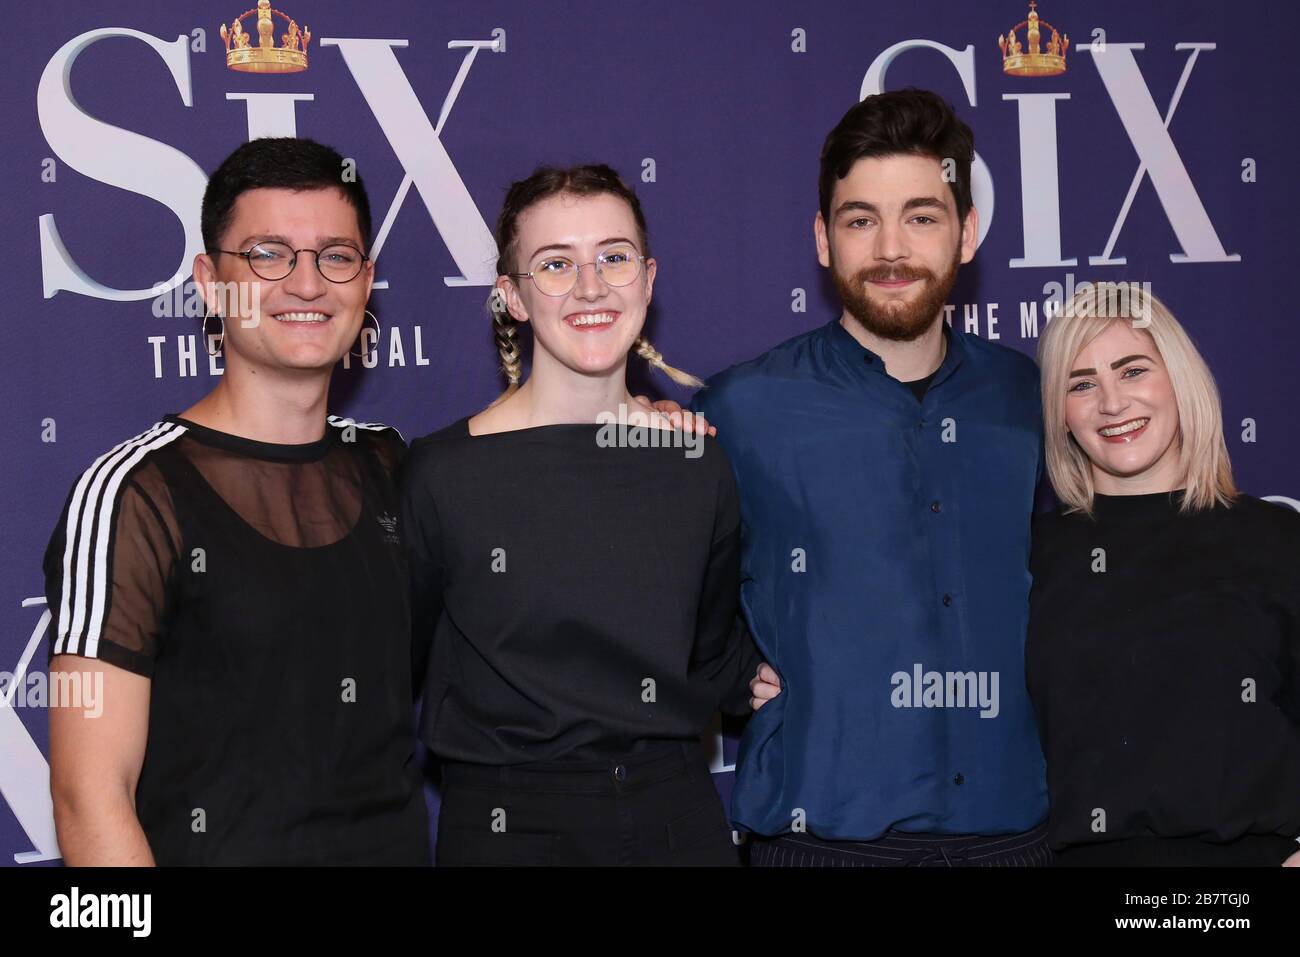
(1121, 409)
(894, 242)
(305, 322)
(591, 328)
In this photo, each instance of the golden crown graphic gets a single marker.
(1032, 60)
(264, 56)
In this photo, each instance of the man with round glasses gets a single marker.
(235, 576)
(275, 259)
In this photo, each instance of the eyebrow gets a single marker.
(1114, 365)
(322, 241)
(568, 247)
(916, 202)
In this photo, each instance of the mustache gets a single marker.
(893, 273)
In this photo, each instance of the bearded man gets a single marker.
(887, 467)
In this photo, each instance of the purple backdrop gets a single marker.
(115, 112)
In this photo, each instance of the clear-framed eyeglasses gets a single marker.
(273, 260)
(557, 275)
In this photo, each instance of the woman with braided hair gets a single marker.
(578, 595)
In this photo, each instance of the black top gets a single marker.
(919, 386)
(261, 588)
(581, 599)
(1164, 665)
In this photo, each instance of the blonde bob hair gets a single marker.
(1203, 455)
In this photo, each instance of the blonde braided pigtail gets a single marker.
(651, 355)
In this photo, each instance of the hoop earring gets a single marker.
(207, 341)
(378, 332)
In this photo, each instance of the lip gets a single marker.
(1127, 437)
(892, 283)
(571, 320)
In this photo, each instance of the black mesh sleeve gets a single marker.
(108, 568)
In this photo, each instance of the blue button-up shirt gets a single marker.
(885, 577)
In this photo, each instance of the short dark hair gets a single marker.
(278, 162)
(893, 123)
(548, 181)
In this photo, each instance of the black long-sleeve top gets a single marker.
(576, 601)
(1163, 661)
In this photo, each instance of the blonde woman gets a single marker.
(1163, 656)
(579, 582)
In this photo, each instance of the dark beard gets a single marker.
(897, 321)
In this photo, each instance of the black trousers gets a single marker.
(1251, 850)
(653, 807)
(899, 849)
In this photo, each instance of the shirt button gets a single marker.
(959, 778)
(947, 600)
(936, 507)
(620, 773)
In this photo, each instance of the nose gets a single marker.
(589, 285)
(1113, 401)
(891, 243)
(305, 281)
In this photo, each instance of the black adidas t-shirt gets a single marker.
(263, 590)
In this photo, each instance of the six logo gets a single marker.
(1040, 190)
(149, 168)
